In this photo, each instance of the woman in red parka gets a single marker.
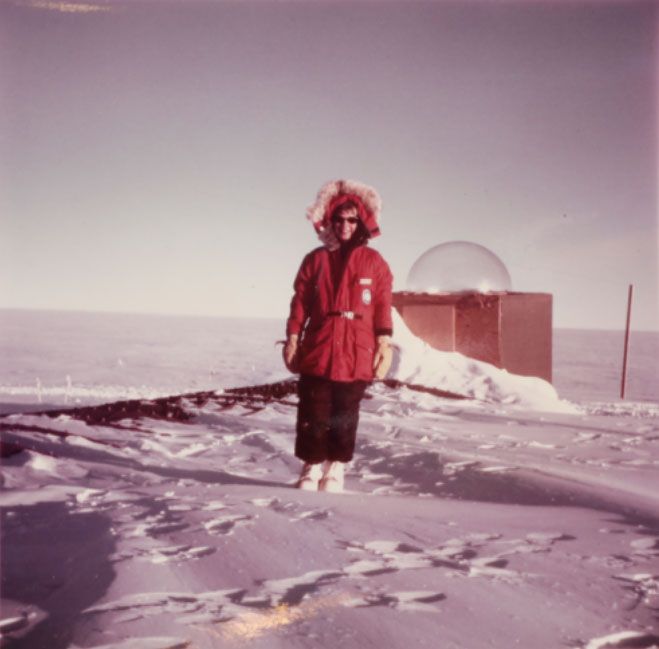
(339, 329)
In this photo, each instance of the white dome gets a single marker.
(458, 266)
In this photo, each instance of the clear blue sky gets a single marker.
(159, 156)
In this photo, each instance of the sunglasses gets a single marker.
(353, 220)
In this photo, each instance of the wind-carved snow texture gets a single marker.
(464, 524)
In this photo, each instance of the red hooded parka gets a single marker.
(342, 301)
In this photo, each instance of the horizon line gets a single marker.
(251, 317)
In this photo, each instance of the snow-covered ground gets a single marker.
(518, 516)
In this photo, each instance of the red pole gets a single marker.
(624, 357)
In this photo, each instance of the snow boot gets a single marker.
(310, 477)
(332, 479)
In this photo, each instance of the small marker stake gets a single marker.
(624, 357)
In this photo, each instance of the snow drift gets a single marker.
(416, 362)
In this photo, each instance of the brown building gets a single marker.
(510, 330)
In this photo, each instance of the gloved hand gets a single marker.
(383, 357)
(290, 353)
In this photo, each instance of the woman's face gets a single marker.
(345, 223)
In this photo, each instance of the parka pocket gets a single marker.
(364, 352)
(315, 345)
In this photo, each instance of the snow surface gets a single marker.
(509, 518)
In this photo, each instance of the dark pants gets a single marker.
(327, 418)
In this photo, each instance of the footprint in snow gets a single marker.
(176, 553)
(291, 508)
(215, 505)
(548, 538)
(460, 555)
(163, 522)
(153, 526)
(581, 437)
(404, 601)
(313, 514)
(289, 591)
(536, 542)
(264, 502)
(275, 504)
(224, 525)
(260, 441)
(179, 604)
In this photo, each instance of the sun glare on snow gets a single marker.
(255, 624)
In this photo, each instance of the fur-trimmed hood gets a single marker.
(335, 192)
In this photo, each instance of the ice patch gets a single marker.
(11, 624)
(55, 468)
(621, 639)
(646, 543)
(18, 618)
(381, 547)
(535, 444)
(496, 469)
(86, 494)
(363, 566)
(43, 494)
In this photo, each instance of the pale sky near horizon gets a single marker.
(159, 156)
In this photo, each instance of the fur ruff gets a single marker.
(319, 212)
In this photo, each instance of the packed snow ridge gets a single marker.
(416, 362)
